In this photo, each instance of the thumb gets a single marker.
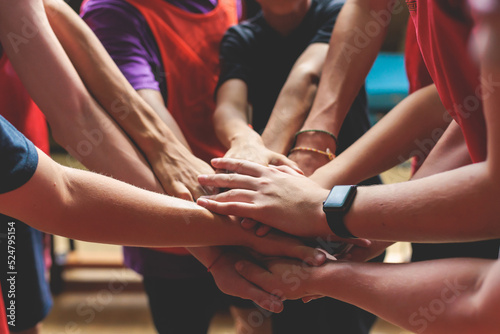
(309, 298)
(283, 161)
(179, 190)
(309, 255)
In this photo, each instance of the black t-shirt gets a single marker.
(18, 158)
(255, 53)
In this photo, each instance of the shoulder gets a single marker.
(246, 31)
(112, 12)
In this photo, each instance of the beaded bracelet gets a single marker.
(321, 131)
(328, 153)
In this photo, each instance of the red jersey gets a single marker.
(19, 109)
(442, 30)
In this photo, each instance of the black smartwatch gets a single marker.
(336, 205)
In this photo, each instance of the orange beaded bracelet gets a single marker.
(328, 153)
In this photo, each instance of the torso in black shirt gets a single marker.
(255, 53)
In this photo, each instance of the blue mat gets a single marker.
(386, 83)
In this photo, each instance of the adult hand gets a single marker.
(178, 170)
(230, 282)
(283, 278)
(253, 149)
(309, 161)
(363, 254)
(280, 245)
(289, 202)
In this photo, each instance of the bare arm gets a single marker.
(231, 124)
(412, 128)
(295, 99)
(155, 101)
(349, 59)
(165, 148)
(74, 115)
(77, 120)
(459, 295)
(88, 206)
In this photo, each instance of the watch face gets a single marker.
(339, 198)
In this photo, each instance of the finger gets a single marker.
(225, 180)
(309, 255)
(233, 195)
(239, 166)
(309, 298)
(360, 242)
(263, 230)
(248, 223)
(255, 274)
(234, 209)
(177, 189)
(282, 161)
(288, 170)
(260, 297)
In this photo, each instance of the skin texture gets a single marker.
(292, 106)
(348, 64)
(459, 295)
(145, 120)
(38, 57)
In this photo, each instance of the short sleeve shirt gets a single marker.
(18, 156)
(255, 53)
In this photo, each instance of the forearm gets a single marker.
(397, 293)
(107, 84)
(295, 99)
(349, 59)
(412, 128)
(231, 115)
(232, 127)
(455, 206)
(88, 206)
(78, 123)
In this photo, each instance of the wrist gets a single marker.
(316, 140)
(331, 275)
(322, 226)
(245, 138)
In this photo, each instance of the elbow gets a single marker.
(307, 73)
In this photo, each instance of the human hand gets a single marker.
(262, 230)
(363, 254)
(309, 161)
(289, 202)
(278, 244)
(232, 283)
(253, 149)
(283, 278)
(178, 170)
(268, 195)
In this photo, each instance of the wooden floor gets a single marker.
(105, 298)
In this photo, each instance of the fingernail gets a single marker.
(201, 201)
(277, 307)
(239, 266)
(319, 258)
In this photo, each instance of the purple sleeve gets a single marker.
(125, 34)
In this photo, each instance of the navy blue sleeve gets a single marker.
(18, 158)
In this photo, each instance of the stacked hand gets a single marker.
(275, 196)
